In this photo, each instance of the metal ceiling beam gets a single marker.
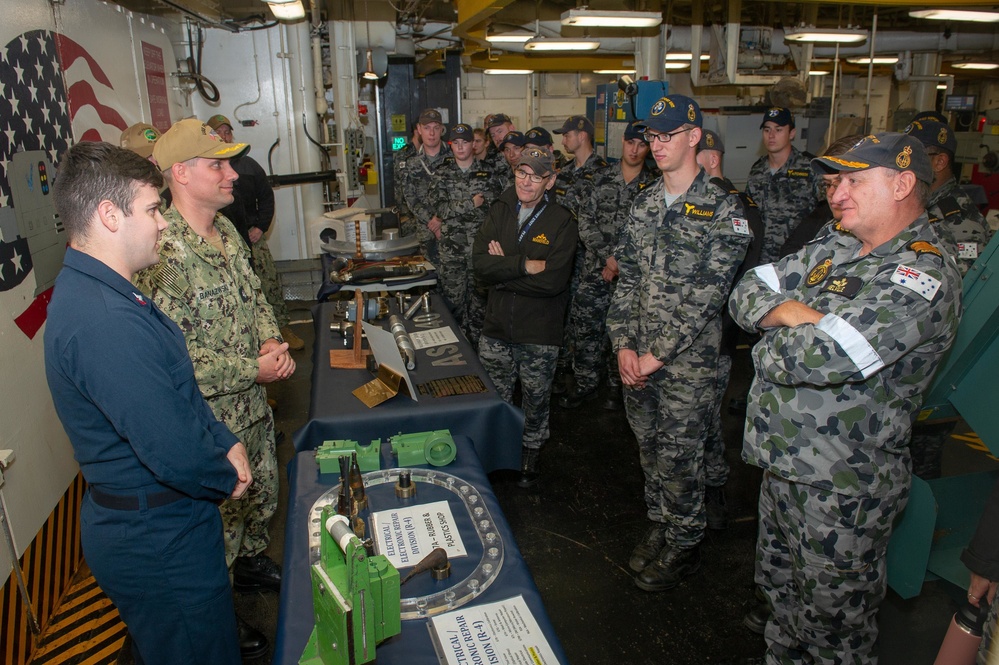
(474, 15)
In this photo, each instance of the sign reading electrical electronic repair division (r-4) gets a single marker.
(406, 535)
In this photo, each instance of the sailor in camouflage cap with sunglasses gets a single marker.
(853, 325)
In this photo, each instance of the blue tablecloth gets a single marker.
(413, 645)
(495, 426)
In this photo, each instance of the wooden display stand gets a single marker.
(357, 358)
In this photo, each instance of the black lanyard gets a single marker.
(533, 218)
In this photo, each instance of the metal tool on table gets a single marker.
(403, 341)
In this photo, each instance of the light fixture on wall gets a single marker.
(876, 60)
(288, 10)
(369, 68)
(561, 44)
(983, 66)
(808, 35)
(369, 73)
(956, 15)
(594, 18)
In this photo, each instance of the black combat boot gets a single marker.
(669, 569)
(529, 473)
(652, 543)
(715, 508)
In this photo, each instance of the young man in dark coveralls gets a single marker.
(156, 460)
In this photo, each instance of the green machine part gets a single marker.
(436, 448)
(368, 457)
(356, 597)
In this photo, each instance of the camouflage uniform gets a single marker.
(962, 229)
(676, 269)
(784, 197)
(217, 302)
(602, 216)
(407, 226)
(417, 177)
(460, 221)
(829, 415)
(496, 162)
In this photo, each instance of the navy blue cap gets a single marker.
(462, 131)
(578, 123)
(497, 119)
(671, 113)
(899, 152)
(778, 115)
(933, 134)
(711, 141)
(538, 136)
(633, 131)
(930, 115)
(516, 138)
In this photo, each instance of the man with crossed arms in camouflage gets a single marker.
(853, 326)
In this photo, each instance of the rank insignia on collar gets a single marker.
(923, 247)
(818, 273)
(843, 286)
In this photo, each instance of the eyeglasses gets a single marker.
(521, 174)
(663, 138)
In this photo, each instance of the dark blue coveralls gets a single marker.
(154, 457)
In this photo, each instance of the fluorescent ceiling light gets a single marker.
(595, 18)
(877, 60)
(287, 11)
(613, 71)
(825, 36)
(974, 65)
(818, 72)
(508, 71)
(559, 44)
(675, 65)
(510, 38)
(956, 15)
(942, 86)
(680, 55)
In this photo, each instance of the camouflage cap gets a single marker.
(671, 113)
(933, 134)
(899, 152)
(632, 131)
(192, 138)
(496, 119)
(430, 115)
(538, 136)
(539, 159)
(930, 115)
(514, 137)
(140, 139)
(711, 141)
(462, 132)
(218, 120)
(579, 123)
(778, 115)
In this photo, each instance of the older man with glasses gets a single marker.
(524, 252)
(679, 252)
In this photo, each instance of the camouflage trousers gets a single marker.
(588, 331)
(926, 442)
(245, 520)
(669, 418)
(452, 270)
(989, 635)
(565, 351)
(820, 560)
(534, 365)
(475, 311)
(715, 465)
(270, 283)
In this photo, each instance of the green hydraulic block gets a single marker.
(356, 597)
(436, 448)
(329, 454)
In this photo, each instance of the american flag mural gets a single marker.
(51, 91)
